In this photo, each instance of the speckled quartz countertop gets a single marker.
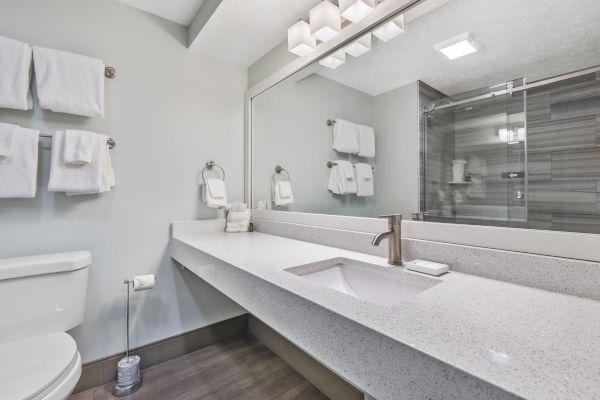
(532, 343)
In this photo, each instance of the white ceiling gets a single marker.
(532, 39)
(180, 11)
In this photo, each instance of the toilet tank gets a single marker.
(42, 294)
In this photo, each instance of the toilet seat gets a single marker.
(45, 367)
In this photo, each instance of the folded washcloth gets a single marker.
(15, 74)
(69, 83)
(18, 174)
(8, 139)
(364, 179)
(282, 193)
(96, 177)
(345, 137)
(214, 193)
(366, 139)
(341, 178)
(79, 147)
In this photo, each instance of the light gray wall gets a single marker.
(170, 111)
(275, 59)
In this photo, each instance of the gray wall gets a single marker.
(170, 111)
(270, 63)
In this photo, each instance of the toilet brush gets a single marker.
(129, 378)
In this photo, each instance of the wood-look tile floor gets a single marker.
(236, 369)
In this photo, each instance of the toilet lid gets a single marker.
(30, 366)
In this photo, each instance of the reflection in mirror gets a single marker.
(482, 112)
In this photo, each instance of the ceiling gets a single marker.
(180, 11)
(532, 39)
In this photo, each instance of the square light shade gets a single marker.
(356, 10)
(334, 60)
(325, 21)
(300, 41)
(390, 29)
(359, 46)
(458, 46)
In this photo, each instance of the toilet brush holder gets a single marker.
(129, 377)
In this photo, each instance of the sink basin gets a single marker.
(373, 283)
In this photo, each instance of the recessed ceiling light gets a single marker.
(390, 29)
(334, 60)
(325, 21)
(359, 46)
(300, 41)
(356, 10)
(458, 46)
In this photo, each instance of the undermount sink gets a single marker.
(373, 283)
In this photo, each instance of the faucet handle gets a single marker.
(392, 218)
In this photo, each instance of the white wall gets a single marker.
(170, 111)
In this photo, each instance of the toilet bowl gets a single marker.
(38, 359)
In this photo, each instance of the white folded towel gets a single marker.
(282, 193)
(15, 74)
(79, 147)
(364, 179)
(345, 137)
(366, 139)
(69, 83)
(238, 221)
(18, 174)
(214, 193)
(8, 139)
(96, 177)
(341, 178)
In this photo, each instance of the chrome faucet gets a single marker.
(394, 236)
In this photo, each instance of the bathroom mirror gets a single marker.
(491, 117)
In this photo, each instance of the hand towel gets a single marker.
(18, 174)
(214, 193)
(238, 221)
(345, 137)
(341, 178)
(366, 139)
(79, 147)
(364, 179)
(15, 74)
(96, 177)
(69, 83)
(8, 139)
(282, 193)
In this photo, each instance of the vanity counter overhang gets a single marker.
(465, 338)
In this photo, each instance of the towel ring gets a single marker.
(278, 171)
(209, 166)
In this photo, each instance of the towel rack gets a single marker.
(330, 164)
(278, 171)
(210, 164)
(112, 143)
(330, 122)
(110, 72)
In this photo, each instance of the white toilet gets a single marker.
(41, 297)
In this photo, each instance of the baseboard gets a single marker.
(327, 381)
(103, 371)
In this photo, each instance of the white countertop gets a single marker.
(533, 343)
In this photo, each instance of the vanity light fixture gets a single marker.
(325, 21)
(458, 46)
(300, 41)
(356, 10)
(359, 46)
(334, 60)
(390, 29)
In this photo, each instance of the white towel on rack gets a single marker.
(341, 178)
(79, 147)
(15, 74)
(69, 83)
(345, 137)
(366, 138)
(18, 173)
(8, 139)
(364, 179)
(214, 193)
(96, 177)
(282, 193)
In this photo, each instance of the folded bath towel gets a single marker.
(15, 74)
(345, 137)
(8, 139)
(79, 147)
(341, 178)
(364, 179)
(214, 193)
(366, 139)
(18, 173)
(69, 83)
(282, 193)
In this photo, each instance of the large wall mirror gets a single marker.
(482, 112)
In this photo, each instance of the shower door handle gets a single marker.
(519, 195)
